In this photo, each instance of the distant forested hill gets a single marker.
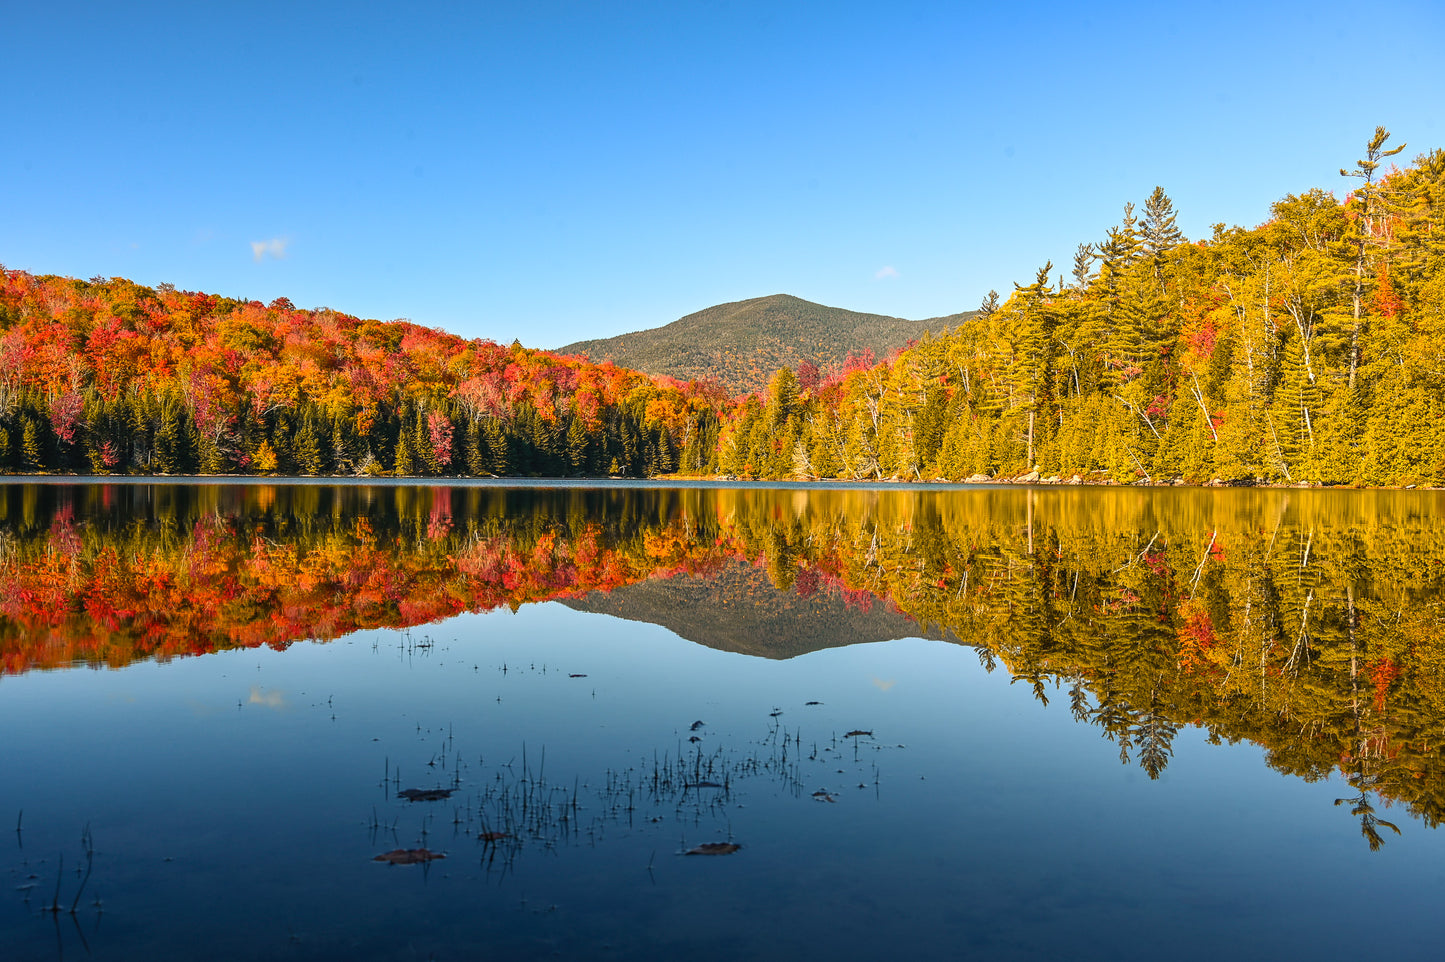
(741, 344)
(109, 377)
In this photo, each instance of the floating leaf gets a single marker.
(823, 796)
(492, 836)
(713, 848)
(407, 856)
(858, 733)
(425, 794)
(576, 676)
(707, 785)
(812, 703)
(696, 725)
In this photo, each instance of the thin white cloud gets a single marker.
(886, 273)
(275, 248)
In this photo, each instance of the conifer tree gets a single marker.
(341, 450)
(1117, 253)
(406, 461)
(1084, 267)
(476, 460)
(1363, 233)
(577, 448)
(1159, 233)
(929, 424)
(823, 447)
(782, 397)
(173, 438)
(32, 444)
(498, 448)
(306, 446)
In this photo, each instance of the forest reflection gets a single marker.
(1307, 622)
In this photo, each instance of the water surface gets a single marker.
(1093, 722)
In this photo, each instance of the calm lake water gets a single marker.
(993, 723)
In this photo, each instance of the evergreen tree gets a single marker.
(1159, 233)
(306, 446)
(1117, 253)
(406, 460)
(929, 424)
(1084, 267)
(174, 439)
(782, 397)
(475, 449)
(549, 455)
(32, 444)
(499, 455)
(341, 451)
(1365, 233)
(578, 459)
(823, 446)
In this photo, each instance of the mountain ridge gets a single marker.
(741, 344)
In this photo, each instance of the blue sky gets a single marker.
(555, 171)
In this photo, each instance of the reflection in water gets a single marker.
(267, 699)
(1304, 621)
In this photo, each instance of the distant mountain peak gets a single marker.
(741, 343)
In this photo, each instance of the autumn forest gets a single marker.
(1305, 350)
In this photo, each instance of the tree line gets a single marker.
(108, 377)
(1310, 349)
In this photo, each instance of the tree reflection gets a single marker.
(1306, 622)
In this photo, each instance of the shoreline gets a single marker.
(1030, 480)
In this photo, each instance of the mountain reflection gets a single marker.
(1307, 622)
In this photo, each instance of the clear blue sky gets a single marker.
(554, 171)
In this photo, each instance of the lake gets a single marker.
(388, 721)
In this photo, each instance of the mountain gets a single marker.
(743, 343)
(739, 609)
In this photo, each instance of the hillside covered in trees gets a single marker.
(1308, 349)
(741, 344)
(108, 377)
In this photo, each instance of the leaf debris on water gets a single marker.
(714, 848)
(408, 856)
(425, 794)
